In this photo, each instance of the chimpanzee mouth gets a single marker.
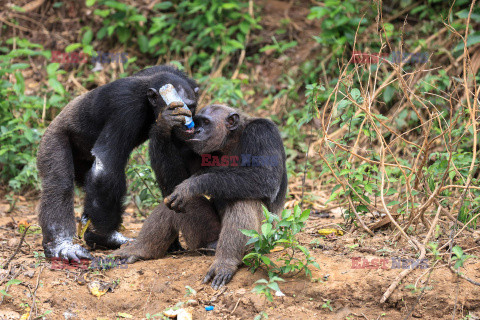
(190, 131)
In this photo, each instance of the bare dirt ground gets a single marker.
(149, 287)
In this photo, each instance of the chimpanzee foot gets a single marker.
(131, 252)
(65, 249)
(221, 273)
(112, 240)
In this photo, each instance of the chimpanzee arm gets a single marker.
(166, 160)
(259, 138)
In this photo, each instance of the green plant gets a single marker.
(261, 315)
(20, 124)
(327, 305)
(143, 186)
(190, 291)
(340, 22)
(279, 47)
(266, 288)
(280, 231)
(9, 283)
(460, 257)
(39, 258)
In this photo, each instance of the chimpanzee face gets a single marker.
(213, 125)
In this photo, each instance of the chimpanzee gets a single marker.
(89, 143)
(237, 191)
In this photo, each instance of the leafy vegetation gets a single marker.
(279, 234)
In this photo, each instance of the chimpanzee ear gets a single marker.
(153, 96)
(232, 121)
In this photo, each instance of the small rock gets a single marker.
(279, 294)
(13, 242)
(9, 315)
(192, 303)
(29, 273)
(68, 315)
(241, 291)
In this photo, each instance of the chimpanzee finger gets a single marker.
(83, 253)
(209, 275)
(175, 105)
(69, 254)
(181, 111)
(217, 282)
(177, 119)
(168, 200)
(132, 259)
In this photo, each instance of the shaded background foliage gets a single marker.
(278, 69)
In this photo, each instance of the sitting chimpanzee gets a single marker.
(237, 190)
(89, 143)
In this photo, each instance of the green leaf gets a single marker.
(266, 260)
(90, 2)
(125, 315)
(72, 47)
(57, 86)
(457, 251)
(304, 216)
(143, 43)
(355, 93)
(368, 188)
(274, 286)
(3, 292)
(392, 203)
(87, 37)
(102, 13)
(266, 229)
(123, 34)
(249, 233)
(52, 68)
(163, 5)
(16, 66)
(137, 18)
(13, 281)
(388, 94)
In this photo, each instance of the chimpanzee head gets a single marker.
(186, 87)
(215, 126)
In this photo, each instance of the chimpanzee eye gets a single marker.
(206, 121)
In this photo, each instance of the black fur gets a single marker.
(89, 143)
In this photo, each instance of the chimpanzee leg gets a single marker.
(200, 226)
(245, 214)
(105, 188)
(56, 215)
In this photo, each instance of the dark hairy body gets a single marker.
(237, 192)
(89, 143)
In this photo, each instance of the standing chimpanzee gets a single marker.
(237, 190)
(89, 143)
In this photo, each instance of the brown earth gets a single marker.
(153, 286)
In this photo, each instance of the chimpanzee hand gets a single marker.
(174, 115)
(179, 198)
(65, 249)
(221, 273)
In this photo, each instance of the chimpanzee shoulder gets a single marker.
(263, 134)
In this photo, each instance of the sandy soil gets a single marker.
(150, 287)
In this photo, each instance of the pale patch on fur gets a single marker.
(98, 166)
(118, 237)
